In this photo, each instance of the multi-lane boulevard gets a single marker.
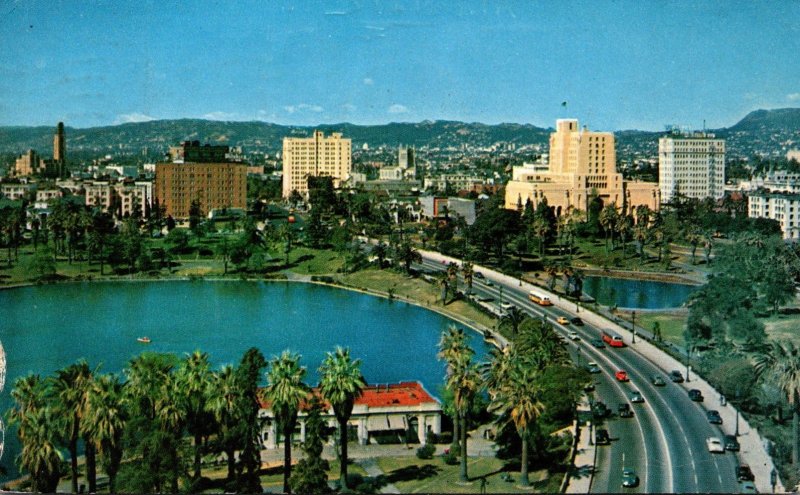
(665, 440)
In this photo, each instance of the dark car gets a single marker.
(696, 395)
(657, 381)
(577, 322)
(743, 473)
(600, 410)
(676, 376)
(713, 417)
(477, 275)
(625, 411)
(629, 478)
(731, 443)
(601, 437)
(598, 343)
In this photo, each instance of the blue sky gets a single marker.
(618, 64)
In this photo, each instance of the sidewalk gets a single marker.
(752, 450)
(580, 480)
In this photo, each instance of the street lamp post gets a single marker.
(633, 315)
(737, 412)
(688, 352)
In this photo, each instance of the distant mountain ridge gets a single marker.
(769, 128)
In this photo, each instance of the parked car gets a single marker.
(629, 478)
(715, 445)
(621, 376)
(562, 320)
(600, 410)
(478, 275)
(577, 322)
(696, 395)
(713, 417)
(601, 437)
(748, 487)
(636, 397)
(676, 376)
(658, 381)
(598, 343)
(731, 443)
(574, 335)
(624, 410)
(743, 473)
(592, 367)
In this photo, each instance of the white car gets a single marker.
(506, 305)
(714, 445)
(573, 335)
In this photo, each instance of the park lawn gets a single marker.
(593, 253)
(783, 326)
(412, 475)
(672, 323)
(415, 289)
(311, 261)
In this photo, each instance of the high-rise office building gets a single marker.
(216, 185)
(29, 163)
(59, 144)
(313, 157)
(692, 165)
(582, 163)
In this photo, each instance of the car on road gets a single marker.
(589, 387)
(562, 320)
(636, 397)
(624, 410)
(600, 410)
(573, 335)
(577, 322)
(478, 275)
(695, 395)
(601, 437)
(715, 445)
(621, 376)
(731, 443)
(748, 487)
(713, 417)
(488, 282)
(592, 367)
(657, 381)
(743, 473)
(597, 342)
(506, 305)
(629, 478)
(676, 376)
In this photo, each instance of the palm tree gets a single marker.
(464, 383)
(223, 404)
(407, 255)
(380, 251)
(467, 271)
(452, 275)
(695, 237)
(39, 455)
(623, 228)
(69, 389)
(781, 363)
(105, 423)
(608, 219)
(514, 318)
(516, 397)
(285, 391)
(541, 227)
(194, 381)
(341, 384)
(451, 346)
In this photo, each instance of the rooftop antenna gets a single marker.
(704, 125)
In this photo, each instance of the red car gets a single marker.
(621, 375)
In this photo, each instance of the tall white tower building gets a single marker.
(315, 156)
(691, 164)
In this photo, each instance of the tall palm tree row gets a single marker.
(781, 364)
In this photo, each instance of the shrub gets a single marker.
(426, 451)
(450, 458)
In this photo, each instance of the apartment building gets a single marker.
(692, 165)
(315, 156)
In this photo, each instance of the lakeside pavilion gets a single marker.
(398, 408)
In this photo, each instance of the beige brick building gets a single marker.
(581, 161)
(315, 156)
(215, 185)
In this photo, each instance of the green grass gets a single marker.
(412, 475)
(672, 323)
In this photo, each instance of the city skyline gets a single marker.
(615, 65)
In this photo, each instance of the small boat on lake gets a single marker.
(143, 340)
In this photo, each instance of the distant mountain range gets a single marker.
(762, 131)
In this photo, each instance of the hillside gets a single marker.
(766, 132)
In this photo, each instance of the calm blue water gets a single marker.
(641, 294)
(48, 327)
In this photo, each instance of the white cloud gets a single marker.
(397, 108)
(303, 107)
(127, 118)
(793, 97)
(368, 81)
(218, 115)
(349, 107)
